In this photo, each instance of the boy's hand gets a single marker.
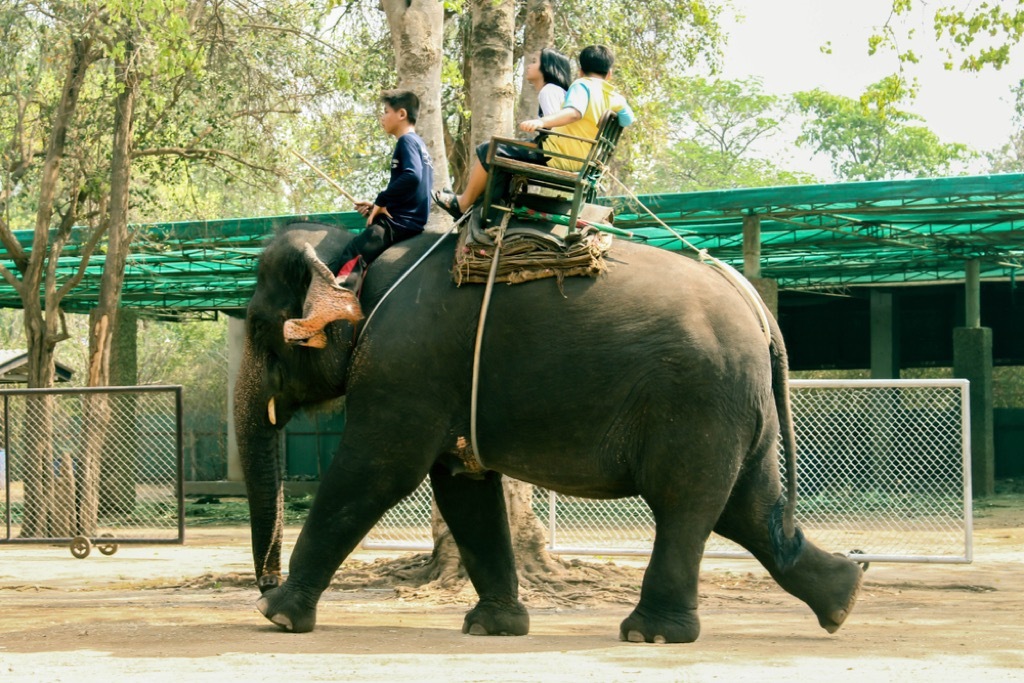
(374, 212)
(364, 208)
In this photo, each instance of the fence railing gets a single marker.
(98, 466)
(883, 475)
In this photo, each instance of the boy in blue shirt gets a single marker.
(401, 210)
(396, 214)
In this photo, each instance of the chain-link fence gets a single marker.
(92, 466)
(883, 474)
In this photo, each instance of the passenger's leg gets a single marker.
(369, 244)
(474, 186)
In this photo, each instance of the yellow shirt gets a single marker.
(592, 97)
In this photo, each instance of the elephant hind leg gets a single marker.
(474, 510)
(827, 583)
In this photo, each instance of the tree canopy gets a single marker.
(714, 129)
(872, 137)
(979, 35)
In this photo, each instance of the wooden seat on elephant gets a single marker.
(581, 185)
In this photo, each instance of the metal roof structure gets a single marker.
(14, 368)
(850, 234)
(813, 237)
(176, 269)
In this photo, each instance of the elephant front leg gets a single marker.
(346, 507)
(667, 611)
(291, 608)
(474, 510)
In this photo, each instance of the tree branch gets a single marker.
(86, 256)
(198, 153)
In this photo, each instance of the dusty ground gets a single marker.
(173, 613)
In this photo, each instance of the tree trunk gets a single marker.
(492, 101)
(42, 329)
(98, 411)
(538, 34)
(458, 141)
(529, 536)
(40, 497)
(417, 34)
(492, 98)
(118, 467)
(491, 94)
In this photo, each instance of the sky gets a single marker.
(780, 40)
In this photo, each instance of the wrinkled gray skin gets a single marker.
(653, 380)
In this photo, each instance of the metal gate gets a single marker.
(883, 475)
(92, 467)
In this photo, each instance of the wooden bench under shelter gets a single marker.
(580, 184)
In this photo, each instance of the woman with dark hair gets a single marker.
(595, 68)
(550, 74)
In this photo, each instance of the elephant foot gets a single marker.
(828, 583)
(493, 618)
(292, 612)
(839, 601)
(643, 626)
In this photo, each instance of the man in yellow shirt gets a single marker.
(586, 101)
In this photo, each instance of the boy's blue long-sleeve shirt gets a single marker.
(407, 196)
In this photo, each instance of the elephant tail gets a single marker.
(780, 391)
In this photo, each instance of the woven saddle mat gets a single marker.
(529, 251)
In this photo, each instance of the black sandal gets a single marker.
(448, 201)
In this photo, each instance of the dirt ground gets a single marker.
(176, 613)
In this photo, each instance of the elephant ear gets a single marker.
(325, 302)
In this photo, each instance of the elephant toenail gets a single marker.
(282, 621)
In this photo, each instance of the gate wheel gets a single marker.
(80, 547)
(863, 565)
(107, 548)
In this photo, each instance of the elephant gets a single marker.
(656, 378)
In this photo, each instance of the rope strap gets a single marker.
(473, 460)
(411, 268)
(741, 282)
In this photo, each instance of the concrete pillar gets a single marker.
(752, 246)
(236, 340)
(769, 291)
(972, 360)
(972, 294)
(885, 336)
(766, 287)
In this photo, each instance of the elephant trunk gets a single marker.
(261, 464)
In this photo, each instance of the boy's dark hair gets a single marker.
(596, 59)
(402, 99)
(555, 68)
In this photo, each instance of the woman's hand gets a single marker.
(530, 125)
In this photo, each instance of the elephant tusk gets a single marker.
(271, 412)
